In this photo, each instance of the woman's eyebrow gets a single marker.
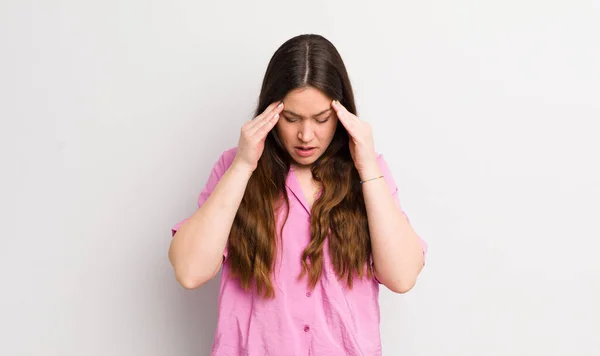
(315, 115)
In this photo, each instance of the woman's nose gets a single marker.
(306, 133)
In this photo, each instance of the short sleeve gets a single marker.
(391, 183)
(219, 168)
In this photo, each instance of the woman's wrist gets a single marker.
(241, 170)
(370, 171)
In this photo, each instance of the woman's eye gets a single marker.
(320, 121)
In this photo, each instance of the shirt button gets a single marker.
(308, 294)
(306, 328)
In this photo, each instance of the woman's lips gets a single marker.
(305, 151)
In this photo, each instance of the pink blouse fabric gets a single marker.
(330, 320)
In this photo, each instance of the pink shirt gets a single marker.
(330, 320)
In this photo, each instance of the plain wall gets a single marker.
(114, 112)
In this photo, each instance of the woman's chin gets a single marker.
(303, 161)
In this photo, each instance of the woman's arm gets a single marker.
(398, 253)
(196, 251)
(397, 250)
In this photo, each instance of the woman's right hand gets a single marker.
(253, 135)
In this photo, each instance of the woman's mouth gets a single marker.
(305, 151)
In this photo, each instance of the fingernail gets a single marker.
(280, 104)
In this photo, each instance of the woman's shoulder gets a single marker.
(229, 154)
(227, 157)
(386, 172)
(381, 161)
(380, 158)
(222, 164)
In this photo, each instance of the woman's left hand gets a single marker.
(362, 147)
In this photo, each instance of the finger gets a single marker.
(339, 107)
(265, 116)
(253, 125)
(268, 110)
(342, 115)
(268, 125)
(252, 122)
(273, 116)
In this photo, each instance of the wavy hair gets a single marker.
(338, 215)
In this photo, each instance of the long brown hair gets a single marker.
(338, 215)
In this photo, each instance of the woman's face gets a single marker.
(307, 124)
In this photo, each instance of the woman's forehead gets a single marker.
(306, 102)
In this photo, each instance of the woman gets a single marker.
(304, 218)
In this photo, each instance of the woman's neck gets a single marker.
(302, 169)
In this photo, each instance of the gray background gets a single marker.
(114, 112)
